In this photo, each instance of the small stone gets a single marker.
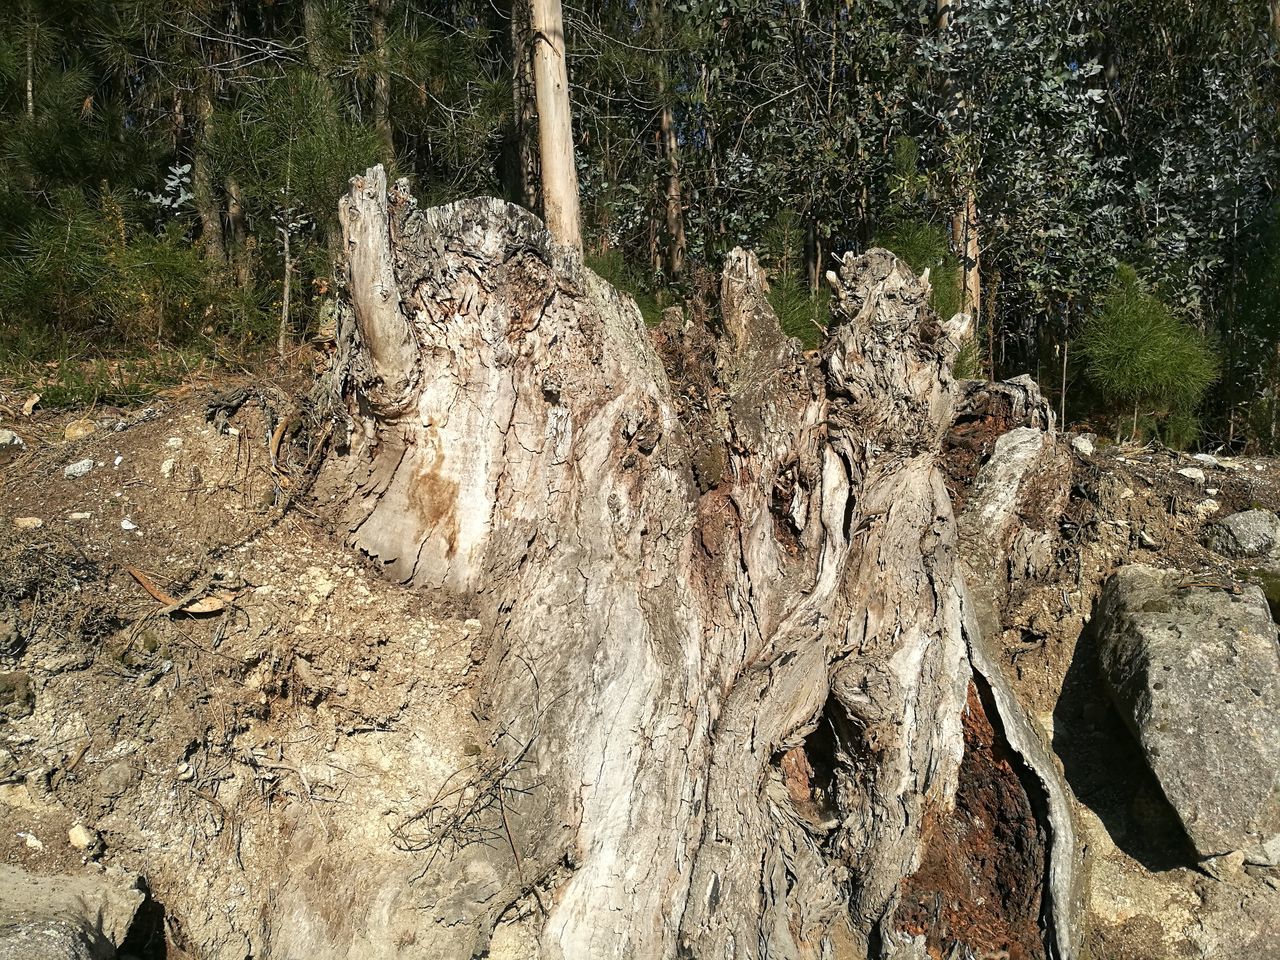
(31, 840)
(78, 429)
(1225, 868)
(1146, 541)
(174, 443)
(10, 444)
(1126, 493)
(1207, 508)
(1208, 459)
(1083, 444)
(81, 837)
(1194, 474)
(78, 469)
(185, 772)
(117, 461)
(28, 523)
(80, 515)
(167, 468)
(127, 524)
(1212, 491)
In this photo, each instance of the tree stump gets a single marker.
(723, 660)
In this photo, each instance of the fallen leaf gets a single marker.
(210, 603)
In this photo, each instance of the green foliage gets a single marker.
(612, 266)
(89, 266)
(968, 362)
(802, 313)
(1145, 362)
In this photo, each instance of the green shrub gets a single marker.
(1148, 366)
(652, 299)
(802, 313)
(88, 267)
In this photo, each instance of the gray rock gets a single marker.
(65, 917)
(1194, 474)
(1082, 444)
(78, 469)
(1248, 535)
(1194, 672)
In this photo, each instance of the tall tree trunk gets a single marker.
(382, 82)
(239, 231)
(813, 256)
(964, 240)
(676, 242)
(31, 70)
(964, 221)
(723, 658)
(555, 124)
(204, 196)
(522, 141)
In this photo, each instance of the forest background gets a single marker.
(1093, 184)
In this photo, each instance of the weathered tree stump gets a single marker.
(723, 657)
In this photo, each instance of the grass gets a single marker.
(73, 382)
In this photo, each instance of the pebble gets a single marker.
(1207, 459)
(28, 523)
(81, 837)
(174, 443)
(80, 515)
(78, 469)
(1206, 507)
(10, 442)
(127, 524)
(1192, 473)
(1082, 444)
(31, 840)
(78, 429)
(167, 468)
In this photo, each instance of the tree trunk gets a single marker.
(522, 161)
(382, 82)
(964, 239)
(284, 334)
(31, 69)
(204, 196)
(723, 656)
(676, 242)
(239, 230)
(555, 124)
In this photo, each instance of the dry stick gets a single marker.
(502, 809)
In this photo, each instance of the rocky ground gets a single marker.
(208, 706)
(196, 689)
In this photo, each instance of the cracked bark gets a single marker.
(723, 623)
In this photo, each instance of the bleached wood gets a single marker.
(679, 581)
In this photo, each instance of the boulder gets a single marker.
(1194, 672)
(65, 917)
(1248, 535)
